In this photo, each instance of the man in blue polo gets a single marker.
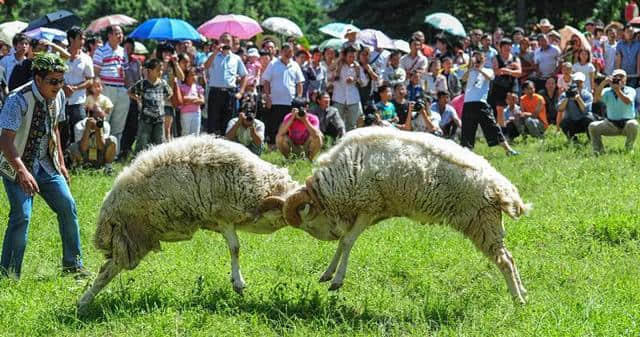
(223, 70)
(31, 163)
(620, 102)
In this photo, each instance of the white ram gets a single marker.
(375, 173)
(172, 190)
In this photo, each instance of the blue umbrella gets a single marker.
(447, 23)
(338, 29)
(165, 29)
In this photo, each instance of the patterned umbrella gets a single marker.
(46, 34)
(338, 29)
(282, 26)
(110, 20)
(239, 26)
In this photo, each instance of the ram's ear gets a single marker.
(270, 203)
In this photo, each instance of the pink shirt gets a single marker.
(298, 133)
(192, 91)
(457, 103)
(253, 71)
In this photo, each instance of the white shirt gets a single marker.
(478, 85)
(411, 64)
(588, 70)
(347, 93)
(78, 129)
(283, 79)
(609, 57)
(79, 71)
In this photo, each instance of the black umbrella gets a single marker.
(62, 20)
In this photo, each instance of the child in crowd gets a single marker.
(564, 79)
(415, 89)
(385, 107)
(433, 80)
(150, 94)
(512, 124)
(192, 99)
(254, 67)
(96, 102)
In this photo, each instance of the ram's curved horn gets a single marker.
(290, 208)
(270, 203)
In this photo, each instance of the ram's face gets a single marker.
(317, 224)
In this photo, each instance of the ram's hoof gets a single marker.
(83, 309)
(335, 286)
(325, 278)
(238, 289)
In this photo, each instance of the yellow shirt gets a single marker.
(102, 101)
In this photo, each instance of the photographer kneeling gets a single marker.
(620, 120)
(574, 108)
(424, 119)
(299, 132)
(95, 146)
(246, 129)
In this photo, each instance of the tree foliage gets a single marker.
(308, 14)
(401, 17)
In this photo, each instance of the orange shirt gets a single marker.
(529, 104)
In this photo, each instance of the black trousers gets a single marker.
(479, 113)
(221, 107)
(571, 128)
(130, 130)
(272, 121)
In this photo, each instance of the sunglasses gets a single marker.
(53, 81)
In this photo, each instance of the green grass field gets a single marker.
(578, 254)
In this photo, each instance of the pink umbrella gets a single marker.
(240, 26)
(110, 20)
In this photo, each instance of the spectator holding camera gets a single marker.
(476, 111)
(299, 132)
(424, 120)
(331, 124)
(620, 118)
(449, 121)
(574, 108)
(95, 147)
(246, 129)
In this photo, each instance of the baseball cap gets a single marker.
(619, 72)
(578, 77)
(253, 52)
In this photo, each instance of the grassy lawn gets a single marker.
(577, 253)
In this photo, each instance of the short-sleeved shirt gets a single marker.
(243, 135)
(80, 69)
(153, 98)
(283, 79)
(511, 112)
(387, 110)
(102, 101)
(298, 133)
(629, 55)
(225, 69)
(588, 70)
(112, 63)
(529, 104)
(446, 116)
(78, 130)
(572, 111)
(547, 60)
(11, 117)
(193, 90)
(616, 108)
(402, 110)
(412, 64)
(478, 85)
(330, 120)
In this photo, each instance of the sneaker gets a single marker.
(78, 273)
(108, 171)
(512, 152)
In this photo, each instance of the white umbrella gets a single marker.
(338, 29)
(282, 26)
(139, 48)
(402, 46)
(9, 29)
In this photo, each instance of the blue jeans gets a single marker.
(55, 192)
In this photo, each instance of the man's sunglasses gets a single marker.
(54, 81)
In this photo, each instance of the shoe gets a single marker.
(108, 171)
(78, 273)
(512, 152)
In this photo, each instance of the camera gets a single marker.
(301, 105)
(249, 116)
(418, 105)
(572, 91)
(302, 113)
(99, 123)
(615, 81)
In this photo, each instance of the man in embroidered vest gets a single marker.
(31, 162)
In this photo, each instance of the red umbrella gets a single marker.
(110, 20)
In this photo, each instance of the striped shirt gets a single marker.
(112, 64)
